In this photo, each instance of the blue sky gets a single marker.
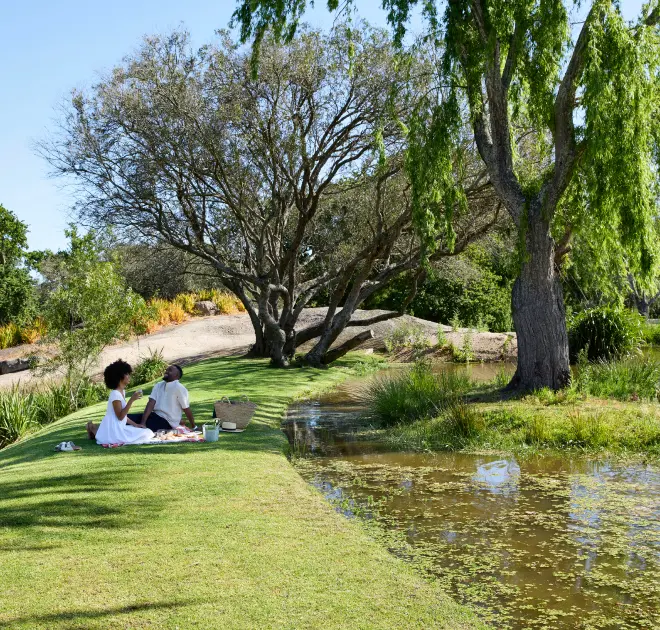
(49, 48)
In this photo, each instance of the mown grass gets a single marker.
(216, 535)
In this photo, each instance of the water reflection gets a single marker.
(536, 543)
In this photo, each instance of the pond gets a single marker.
(544, 542)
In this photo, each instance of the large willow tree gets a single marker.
(589, 95)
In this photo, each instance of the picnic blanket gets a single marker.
(170, 439)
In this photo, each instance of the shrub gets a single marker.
(176, 313)
(187, 302)
(17, 415)
(35, 331)
(465, 353)
(463, 420)
(407, 336)
(226, 303)
(415, 395)
(442, 337)
(625, 380)
(21, 411)
(10, 335)
(605, 333)
(651, 333)
(149, 368)
(161, 311)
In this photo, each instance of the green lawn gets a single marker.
(223, 535)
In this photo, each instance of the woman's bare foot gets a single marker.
(91, 430)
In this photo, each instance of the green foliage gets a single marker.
(17, 295)
(605, 333)
(149, 368)
(465, 353)
(88, 308)
(17, 416)
(417, 394)
(472, 290)
(21, 410)
(621, 119)
(651, 333)
(502, 378)
(407, 336)
(442, 337)
(630, 379)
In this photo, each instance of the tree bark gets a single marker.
(347, 346)
(538, 312)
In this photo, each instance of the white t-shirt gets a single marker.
(171, 399)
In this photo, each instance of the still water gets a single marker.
(541, 542)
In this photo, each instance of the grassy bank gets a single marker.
(584, 425)
(223, 535)
(610, 407)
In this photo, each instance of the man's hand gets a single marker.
(190, 417)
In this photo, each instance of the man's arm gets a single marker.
(147, 411)
(189, 415)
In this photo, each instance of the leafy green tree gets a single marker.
(87, 308)
(17, 296)
(288, 186)
(592, 102)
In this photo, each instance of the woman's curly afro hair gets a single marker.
(115, 372)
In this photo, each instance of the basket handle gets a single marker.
(224, 398)
(245, 396)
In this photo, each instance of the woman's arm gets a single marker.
(121, 412)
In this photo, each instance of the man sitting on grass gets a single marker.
(166, 403)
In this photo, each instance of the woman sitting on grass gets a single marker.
(116, 428)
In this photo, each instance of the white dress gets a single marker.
(112, 430)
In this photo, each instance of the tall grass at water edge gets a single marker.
(424, 411)
(417, 394)
(633, 378)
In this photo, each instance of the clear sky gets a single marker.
(49, 48)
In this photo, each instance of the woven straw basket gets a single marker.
(238, 411)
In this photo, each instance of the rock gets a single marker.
(14, 365)
(206, 307)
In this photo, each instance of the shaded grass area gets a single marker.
(216, 535)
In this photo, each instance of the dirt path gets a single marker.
(205, 337)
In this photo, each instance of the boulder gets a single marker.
(206, 307)
(14, 365)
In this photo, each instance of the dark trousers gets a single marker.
(154, 421)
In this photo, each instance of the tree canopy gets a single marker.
(17, 299)
(588, 102)
(289, 185)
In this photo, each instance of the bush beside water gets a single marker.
(605, 333)
(417, 394)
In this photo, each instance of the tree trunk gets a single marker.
(538, 313)
(347, 346)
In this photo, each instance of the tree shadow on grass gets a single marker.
(80, 615)
(76, 501)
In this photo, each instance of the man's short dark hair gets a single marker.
(115, 372)
(178, 367)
